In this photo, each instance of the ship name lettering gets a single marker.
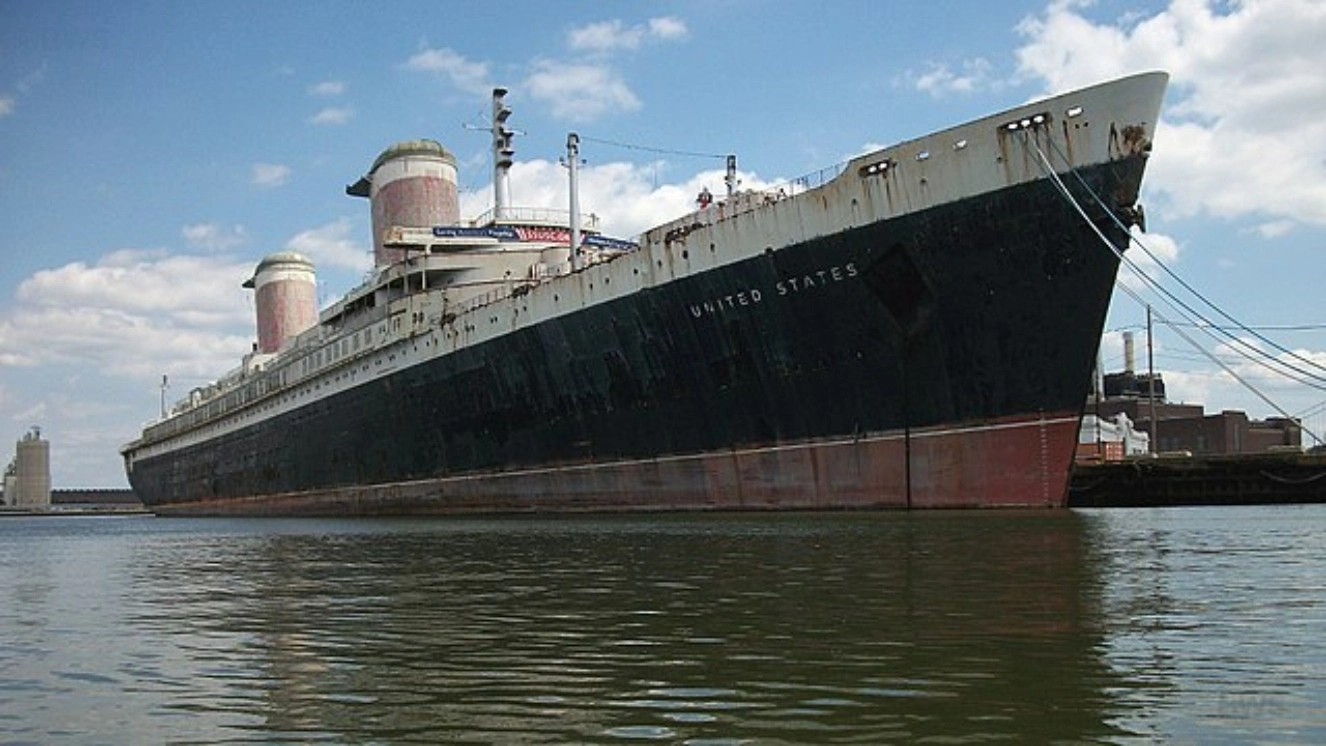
(812, 280)
(816, 279)
(735, 300)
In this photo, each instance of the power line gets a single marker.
(649, 149)
(1261, 327)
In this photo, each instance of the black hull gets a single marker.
(983, 310)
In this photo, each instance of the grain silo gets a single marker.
(32, 472)
(286, 290)
(411, 184)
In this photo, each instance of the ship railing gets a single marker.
(534, 216)
(806, 182)
(506, 290)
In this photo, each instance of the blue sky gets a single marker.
(152, 152)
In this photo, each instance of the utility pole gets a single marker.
(1151, 384)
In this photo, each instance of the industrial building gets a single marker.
(28, 477)
(1177, 428)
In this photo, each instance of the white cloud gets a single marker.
(332, 115)
(327, 88)
(330, 245)
(213, 236)
(939, 80)
(270, 174)
(667, 27)
(1149, 253)
(468, 76)
(1243, 132)
(6, 106)
(132, 313)
(611, 36)
(580, 92)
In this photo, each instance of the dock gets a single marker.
(1245, 479)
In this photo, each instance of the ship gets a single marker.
(913, 328)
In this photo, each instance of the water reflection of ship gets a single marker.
(779, 627)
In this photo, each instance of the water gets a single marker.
(1128, 626)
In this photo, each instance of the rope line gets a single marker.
(1223, 330)
(1067, 194)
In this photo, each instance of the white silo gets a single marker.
(286, 298)
(32, 472)
(411, 184)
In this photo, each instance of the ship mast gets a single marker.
(572, 165)
(503, 152)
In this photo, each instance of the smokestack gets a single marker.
(287, 298)
(412, 184)
(1128, 359)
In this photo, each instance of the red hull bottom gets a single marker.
(1019, 462)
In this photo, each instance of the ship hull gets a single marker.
(939, 358)
(996, 465)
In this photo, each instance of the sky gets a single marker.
(151, 153)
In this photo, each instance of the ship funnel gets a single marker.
(412, 184)
(287, 298)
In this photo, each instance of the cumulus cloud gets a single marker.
(270, 174)
(1244, 130)
(213, 236)
(332, 115)
(611, 36)
(468, 76)
(580, 92)
(131, 313)
(330, 245)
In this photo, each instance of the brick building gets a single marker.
(1187, 427)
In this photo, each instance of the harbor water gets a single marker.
(1194, 625)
